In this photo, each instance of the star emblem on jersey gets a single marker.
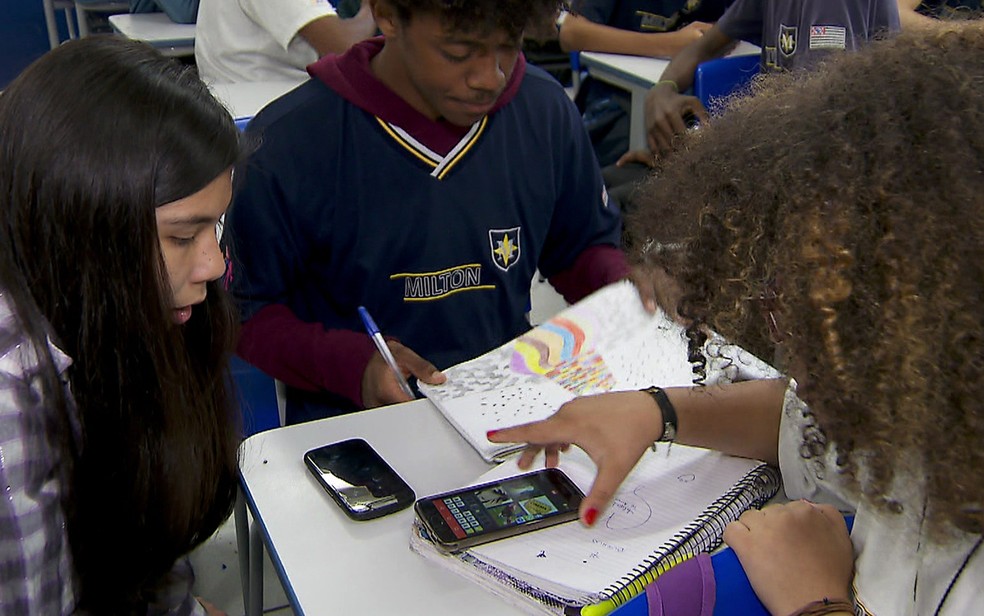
(504, 244)
(787, 40)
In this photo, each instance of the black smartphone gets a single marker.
(479, 514)
(358, 479)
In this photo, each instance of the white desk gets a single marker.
(245, 99)
(636, 74)
(156, 29)
(330, 564)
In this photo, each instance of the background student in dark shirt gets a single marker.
(659, 28)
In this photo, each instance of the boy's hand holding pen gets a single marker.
(384, 381)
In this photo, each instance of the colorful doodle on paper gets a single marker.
(555, 350)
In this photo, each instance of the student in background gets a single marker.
(637, 27)
(271, 40)
(425, 175)
(180, 11)
(117, 433)
(791, 33)
(810, 234)
(916, 12)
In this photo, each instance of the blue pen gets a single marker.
(384, 350)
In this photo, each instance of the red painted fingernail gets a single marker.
(590, 516)
(490, 433)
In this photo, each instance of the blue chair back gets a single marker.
(256, 393)
(716, 79)
(576, 74)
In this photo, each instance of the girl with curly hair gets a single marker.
(118, 435)
(834, 217)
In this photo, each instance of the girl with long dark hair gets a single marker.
(117, 432)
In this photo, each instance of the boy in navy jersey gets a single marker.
(426, 175)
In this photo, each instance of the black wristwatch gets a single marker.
(668, 412)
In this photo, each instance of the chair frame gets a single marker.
(82, 8)
(50, 22)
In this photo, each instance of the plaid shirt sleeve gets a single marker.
(36, 574)
(35, 562)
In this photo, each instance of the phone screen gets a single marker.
(491, 511)
(358, 479)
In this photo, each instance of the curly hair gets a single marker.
(482, 16)
(852, 197)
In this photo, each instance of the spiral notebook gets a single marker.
(674, 504)
(605, 342)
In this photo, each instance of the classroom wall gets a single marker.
(23, 36)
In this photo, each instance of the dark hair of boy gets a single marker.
(482, 16)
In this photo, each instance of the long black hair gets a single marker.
(93, 137)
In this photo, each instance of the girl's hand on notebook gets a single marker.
(793, 554)
(614, 429)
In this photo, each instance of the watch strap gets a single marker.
(668, 412)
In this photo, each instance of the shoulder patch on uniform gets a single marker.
(505, 248)
(787, 40)
(828, 37)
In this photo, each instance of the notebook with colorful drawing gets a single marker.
(606, 342)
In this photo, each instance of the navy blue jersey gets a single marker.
(339, 208)
(795, 33)
(651, 15)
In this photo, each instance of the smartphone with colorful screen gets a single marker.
(479, 514)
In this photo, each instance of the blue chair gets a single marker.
(261, 399)
(256, 393)
(260, 404)
(716, 79)
(576, 74)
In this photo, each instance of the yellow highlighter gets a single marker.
(633, 588)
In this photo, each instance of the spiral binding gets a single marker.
(704, 534)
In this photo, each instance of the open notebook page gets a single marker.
(606, 342)
(667, 491)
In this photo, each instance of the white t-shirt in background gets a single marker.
(255, 40)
